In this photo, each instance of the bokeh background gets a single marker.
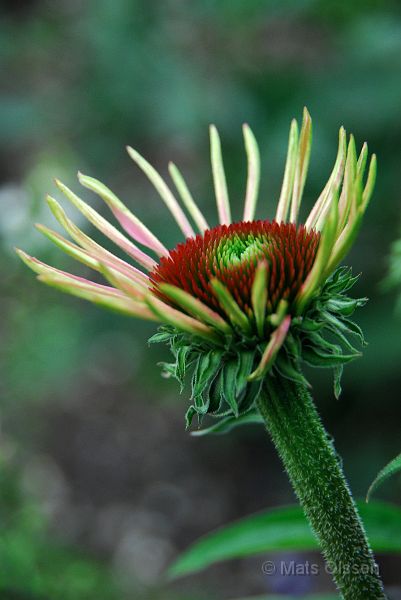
(100, 486)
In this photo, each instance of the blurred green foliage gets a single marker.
(33, 566)
(80, 80)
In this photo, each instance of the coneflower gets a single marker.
(243, 305)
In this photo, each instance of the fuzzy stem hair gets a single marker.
(318, 480)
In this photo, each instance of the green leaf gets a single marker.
(313, 357)
(283, 529)
(182, 363)
(246, 360)
(206, 368)
(393, 467)
(160, 338)
(229, 376)
(229, 423)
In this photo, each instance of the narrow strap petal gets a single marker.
(164, 191)
(316, 275)
(219, 178)
(42, 268)
(68, 247)
(346, 197)
(259, 296)
(322, 204)
(107, 229)
(121, 282)
(230, 306)
(195, 307)
(103, 295)
(121, 303)
(128, 221)
(93, 248)
(370, 183)
(87, 259)
(360, 201)
(301, 171)
(180, 320)
(252, 185)
(289, 173)
(187, 198)
(277, 339)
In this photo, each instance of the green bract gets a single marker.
(222, 381)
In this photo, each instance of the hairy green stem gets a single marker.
(318, 480)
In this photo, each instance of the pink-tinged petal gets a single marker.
(124, 216)
(277, 339)
(187, 198)
(42, 268)
(94, 249)
(107, 229)
(289, 174)
(122, 282)
(119, 303)
(116, 278)
(165, 193)
(301, 170)
(180, 320)
(219, 178)
(252, 185)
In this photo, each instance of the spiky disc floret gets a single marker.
(231, 254)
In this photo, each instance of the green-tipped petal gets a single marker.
(116, 302)
(132, 225)
(181, 321)
(195, 307)
(187, 197)
(322, 205)
(277, 339)
(301, 170)
(346, 198)
(41, 268)
(78, 286)
(229, 305)
(259, 297)
(315, 276)
(345, 241)
(164, 191)
(277, 318)
(122, 282)
(359, 200)
(362, 159)
(93, 248)
(252, 185)
(68, 247)
(370, 184)
(219, 178)
(107, 229)
(289, 174)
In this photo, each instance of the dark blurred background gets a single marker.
(100, 486)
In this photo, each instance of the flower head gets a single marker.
(236, 301)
